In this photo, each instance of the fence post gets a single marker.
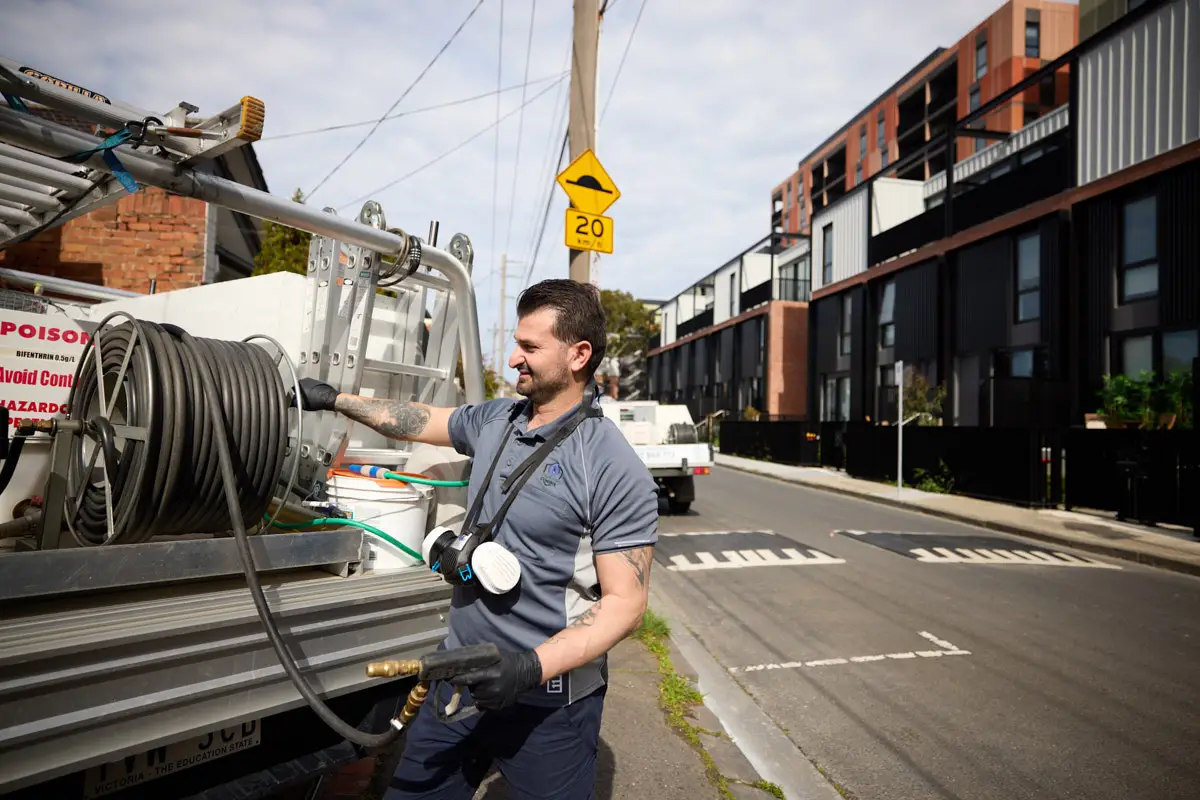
(899, 372)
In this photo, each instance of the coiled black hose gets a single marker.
(169, 480)
(224, 405)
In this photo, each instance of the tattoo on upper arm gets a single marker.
(392, 418)
(639, 558)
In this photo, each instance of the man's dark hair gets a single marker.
(580, 316)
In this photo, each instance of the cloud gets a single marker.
(716, 104)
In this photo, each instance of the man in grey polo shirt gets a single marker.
(583, 528)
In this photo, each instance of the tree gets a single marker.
(284, 249)
(922, 400)
(630, 323)
(491, 379)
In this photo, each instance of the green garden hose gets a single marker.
(350, 523)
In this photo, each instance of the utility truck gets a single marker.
(193, 575)
(664, 437)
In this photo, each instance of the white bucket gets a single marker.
(398, 509)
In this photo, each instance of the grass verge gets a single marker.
(677, 696)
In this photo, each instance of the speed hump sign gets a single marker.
(586, 231)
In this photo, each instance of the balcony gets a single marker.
(790, 289)
(1037, 130)
(697, 323)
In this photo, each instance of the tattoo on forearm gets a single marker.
(587, 618)
(392, 418)
(639, 558)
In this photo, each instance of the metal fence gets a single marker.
(780, 441)
(1011, 466)
(1142, 476)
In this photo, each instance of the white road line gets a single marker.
(963, 555)
(942, 643)
(741, 559)
(947, 649)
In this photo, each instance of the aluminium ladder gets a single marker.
(51, 173)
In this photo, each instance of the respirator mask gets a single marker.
(471, 557)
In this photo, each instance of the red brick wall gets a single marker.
(787, 354)
(147, 235)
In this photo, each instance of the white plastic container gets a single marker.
(398, 509)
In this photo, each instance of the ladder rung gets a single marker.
(428, 281)
(396, 368)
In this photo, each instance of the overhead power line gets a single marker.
(512, 200)
(452, 150)
(496, 155)
(422, 110)
(400, 99)
(545, 217)
(621, 63)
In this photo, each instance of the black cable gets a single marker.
(204, 441)
(399, 100)
(545, 218)
(10, 463)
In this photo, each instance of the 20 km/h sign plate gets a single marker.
(588, 231)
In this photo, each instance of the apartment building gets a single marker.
(909, 120)
(737, 338)
(1063, 253)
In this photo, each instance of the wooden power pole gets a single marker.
(581, 127)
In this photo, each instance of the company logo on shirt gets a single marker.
(552, 474)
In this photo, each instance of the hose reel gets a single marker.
(145, 462)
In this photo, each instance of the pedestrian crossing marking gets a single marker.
(941, 548)
(741, 559)
(982, 555)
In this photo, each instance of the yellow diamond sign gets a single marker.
(588, 186)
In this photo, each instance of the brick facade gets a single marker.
(787, 359)
(124, 245)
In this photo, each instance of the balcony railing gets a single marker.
(1035, 131)
(792, 289)
(697, 323)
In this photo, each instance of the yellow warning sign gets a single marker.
(588, 231)
(588, 186)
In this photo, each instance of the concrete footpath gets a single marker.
(641, 754)
(1160, 547)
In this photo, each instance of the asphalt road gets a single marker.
(1065, 679)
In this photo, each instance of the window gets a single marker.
(1020, 364)
(887, 311)
(1139, 251)
(862, 141)
(887, 375)
(843, 399)
(1137, 355)
(881, 133)
(981, 56)
(858, 175)
(973, 99)
(1029, 278)
(1133, 4)
(1033, 40)
(883, 158)
(803, 212)
(847, 327)
(787, 203)
(827, 255)
(1047, 89)
(1179, 349)
(733, 294)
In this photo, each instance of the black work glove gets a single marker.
(498, 685)
(315, 395)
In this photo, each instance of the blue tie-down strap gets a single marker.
(105, 149)
(16, 103)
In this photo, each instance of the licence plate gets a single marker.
(170, 758)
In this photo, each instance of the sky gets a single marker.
(714, 105)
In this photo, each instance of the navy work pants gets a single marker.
(541, 752)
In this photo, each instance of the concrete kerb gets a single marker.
(1124, 554)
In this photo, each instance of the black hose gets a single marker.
(204, 441)
(169, 482)
(10, 463)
